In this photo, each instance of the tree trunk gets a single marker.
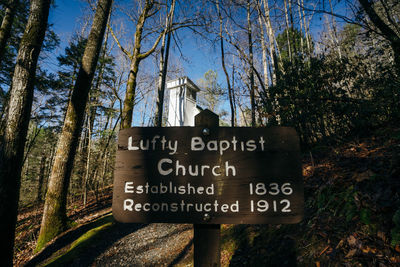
(335, 34)
(129, 101)
(54, 215)
(251, 74)
(230, 88)
(5, 29)
(90, 118)
(42, 170)
(301, 30)
(164, 67)
(306, 30)
(264, 51)
(17, 120)
(87, 166)
(271, 38)
(287, 31)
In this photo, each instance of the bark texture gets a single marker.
(251, 69)
(136, 58)
(5, 29)
(164, 55)
(54, 215)
(17, 120)
(271, 38)
(228, 82)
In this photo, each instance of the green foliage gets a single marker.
(297, 44)
(365, 216)
(327, 97)
(395, 233)
(337, 202)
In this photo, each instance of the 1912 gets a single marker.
(274, 205)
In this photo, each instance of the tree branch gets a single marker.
(126, 52)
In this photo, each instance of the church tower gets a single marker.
(182, 102)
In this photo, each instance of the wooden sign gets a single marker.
(208, 175)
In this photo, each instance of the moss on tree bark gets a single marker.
(55, 219)
(13, 141)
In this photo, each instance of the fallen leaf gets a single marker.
(395, 259)
(351, 253)
(381, 235)
(367, 250)
(308, 171)
(352, 241)
(340, 244)
(318, 264)
(397, 248)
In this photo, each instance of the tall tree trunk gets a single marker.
(164, 66)
(301, 30)
(137, 57)
(17, 120)
(93, 108)
(287, 31)
(335, 33)
(271, 38)
(5, 29)
(230, 88)
(292, 34)
(42, 171)
(306, 29)
(87, 166)
(91, 116)
(233, 86)
(251, 69)
(263, 50)
(54, 215)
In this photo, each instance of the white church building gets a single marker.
(182, 105)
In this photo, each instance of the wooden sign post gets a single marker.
(208, 175)
(207, 244)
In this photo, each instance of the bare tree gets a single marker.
(136, 57)
(271, 40)
(251, 62)
(17, 120)
(165, 45)
(230, 88)
(54, 219)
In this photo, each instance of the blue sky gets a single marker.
(67, 19)
(66, 16)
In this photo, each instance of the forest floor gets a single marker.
(352, 218)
